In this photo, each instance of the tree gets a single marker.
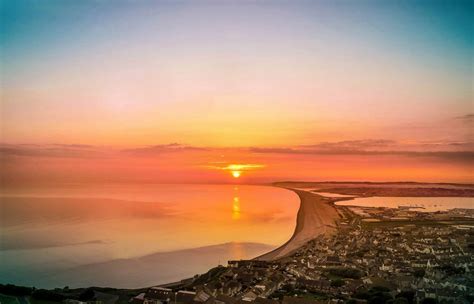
(87, 295)
(14, 290)
(47, 295)
(407, 294)
(399, 301)
(337, 283)
(419, 273)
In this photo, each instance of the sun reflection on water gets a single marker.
(236, 208)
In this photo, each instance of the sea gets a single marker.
(131, 236)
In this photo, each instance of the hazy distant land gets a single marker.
(385, 188)
(171, 266)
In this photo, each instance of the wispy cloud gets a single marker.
(456, 151)
(51, 150)
(469, 118)
(364, 144)
(88, 151)
(443, 149)
(159, 149)
(234, 167)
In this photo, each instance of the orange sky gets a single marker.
(116, 91)
(26, 165)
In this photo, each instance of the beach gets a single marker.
(317, 215)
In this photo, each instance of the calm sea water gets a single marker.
(136, 235)
(423, 204)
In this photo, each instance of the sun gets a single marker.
(236, 174)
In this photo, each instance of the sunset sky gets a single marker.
(179, 91)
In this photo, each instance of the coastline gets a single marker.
(316, 215)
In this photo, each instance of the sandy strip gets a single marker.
(317, 215)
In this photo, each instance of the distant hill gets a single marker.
(157, 268)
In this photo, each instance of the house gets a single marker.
(135, 300)
(266, 301)
(72, 301)
(299, 300)
(185, 297)
(249, 296)
(202, 296)
(231, 288)
(223, 299)
(158, 295)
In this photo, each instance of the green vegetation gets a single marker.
(290, 291)
(47, 295)
(210, 275)
(398, 301)
(375, 295)
(36, 301)
(407, 295)
(451, 270)
(54, 296)
(14, 290)
(419, 273)
(349, 273)
(4, 299)
(337, 283)
(358, 254)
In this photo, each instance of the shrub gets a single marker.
(47, 295)
(14, 290)
(350, 273)
(337, 283)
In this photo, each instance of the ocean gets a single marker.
(130, 236)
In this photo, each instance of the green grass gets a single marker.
(8, 299)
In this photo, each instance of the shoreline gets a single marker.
(316, 215)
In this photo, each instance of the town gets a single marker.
(376, 255)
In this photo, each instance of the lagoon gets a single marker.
(422, 204)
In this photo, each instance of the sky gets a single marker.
(179, 91)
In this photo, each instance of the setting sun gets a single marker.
(236, 174)
(236, 170)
